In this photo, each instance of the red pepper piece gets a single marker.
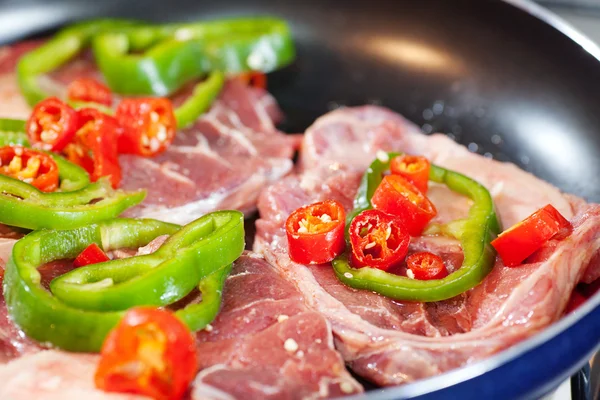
(315, 232)
(254, 78)
(425, 266)
(89, 90)
(377, 240)
(95, 146)
(414, 168)
(30, 166)
(148, 126)
(92, 254)
(52, 124)
(397, 196)
(520, 241)
(151, 352)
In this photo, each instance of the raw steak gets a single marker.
(266, 344)
(393, 342)
(221, 162)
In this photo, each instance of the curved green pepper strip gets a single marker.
(162, 277)
(56, 52)
(204, 94)
(25, 206)
(198, 316)
(479, 229)
(175, 54)
(47, 319)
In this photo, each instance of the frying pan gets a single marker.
(507, 79)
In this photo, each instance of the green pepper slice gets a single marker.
(25, 206)
(477, 232)
(175, 54)
(160, 278)
(204, 94)
(56, 52)
(47, 319)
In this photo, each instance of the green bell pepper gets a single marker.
(477, 231)
(56, 52)
(25, 206)
(204, 94)
(160, 278)
(175, 54)
(197, 255)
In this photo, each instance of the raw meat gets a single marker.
(221, 162)
(392, 342)
(265, 343)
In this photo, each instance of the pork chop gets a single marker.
(393, 342)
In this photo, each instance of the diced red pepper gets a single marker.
(89, 90)
(148, 126)
(92, 254)
(315, 232)
(397, 196)
(151, 352)
(95, 146)
(520, 241)
(414, 168)
(52, 124)
(425, 266)
(254, 78)
(377, 240)
(30, 166)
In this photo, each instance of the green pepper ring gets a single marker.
(46, 319)
(479, 229)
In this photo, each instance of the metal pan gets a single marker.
(507, 79)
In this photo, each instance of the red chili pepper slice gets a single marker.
(521, 240)
(89, 90)
(92, 254)
(151, 352)
(95, 146)
(397, 196)
(254, 78)
(377, 240)
(414, 168)
(315, 232)
(30, 166)
(425, 266)
(52, 124)
(149, 126)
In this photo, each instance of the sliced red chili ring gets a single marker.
(377, 240)
(414, 168)
(52, 124)
(425, 266)
(92, 254)
(95, 146)
(254, 78)
(151, 352)
(30, 166)
(148, 126)
(521, 240)
(315, 232)
(396, 195)
(89, 90)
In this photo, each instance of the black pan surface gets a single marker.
(490, 75)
